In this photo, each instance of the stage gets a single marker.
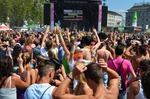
(80, 14)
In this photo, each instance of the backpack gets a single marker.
(121, 86)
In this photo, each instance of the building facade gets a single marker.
(114, 19)
(143, 15)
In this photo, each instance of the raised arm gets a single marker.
(57, 40)
(112, 51)
(111, 73)
(127, 52)
(98, 43)
(68, 33)
(8, 52)
(114, 77)
(20, 63)
(72, 51)
(60, 92)
(67, 53)
(21, 84)
(132, 90)
(44, 38)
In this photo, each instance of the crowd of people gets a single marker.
(68, 64)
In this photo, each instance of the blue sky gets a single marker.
(122, 5)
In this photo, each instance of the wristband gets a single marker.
(69, 77)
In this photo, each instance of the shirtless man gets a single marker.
(94, 76)
(142, 53)
(103, 53)
(88, 48)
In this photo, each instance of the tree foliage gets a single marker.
(3, 10)
(16, 12)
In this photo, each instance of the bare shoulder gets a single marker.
(71, 96)
(15, 78)
(85, 97)
(113, 87)
(134, 84)
(87, 90)
(98, 51)
(107, 95)
(135, 87)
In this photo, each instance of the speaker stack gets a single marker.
(104, 16)
(47, 14)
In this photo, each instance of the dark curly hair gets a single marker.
(16, 51)
(6, 67)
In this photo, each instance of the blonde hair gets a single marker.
(52, 54)
(26, 56)
(81, 77)
(29, 40)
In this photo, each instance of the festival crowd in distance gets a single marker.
(58, 64)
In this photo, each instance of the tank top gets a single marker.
(140, 95)
(8, 93)
(66, 65)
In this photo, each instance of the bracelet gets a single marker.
(69, 77)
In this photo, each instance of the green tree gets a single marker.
(4, 7)
(19, 11)
(36, 12)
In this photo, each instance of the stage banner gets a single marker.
(99, 17)
(52, 16)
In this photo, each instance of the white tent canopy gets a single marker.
(4, 28)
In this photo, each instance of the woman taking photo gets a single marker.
(9, 81)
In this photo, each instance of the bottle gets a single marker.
(134, 19)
